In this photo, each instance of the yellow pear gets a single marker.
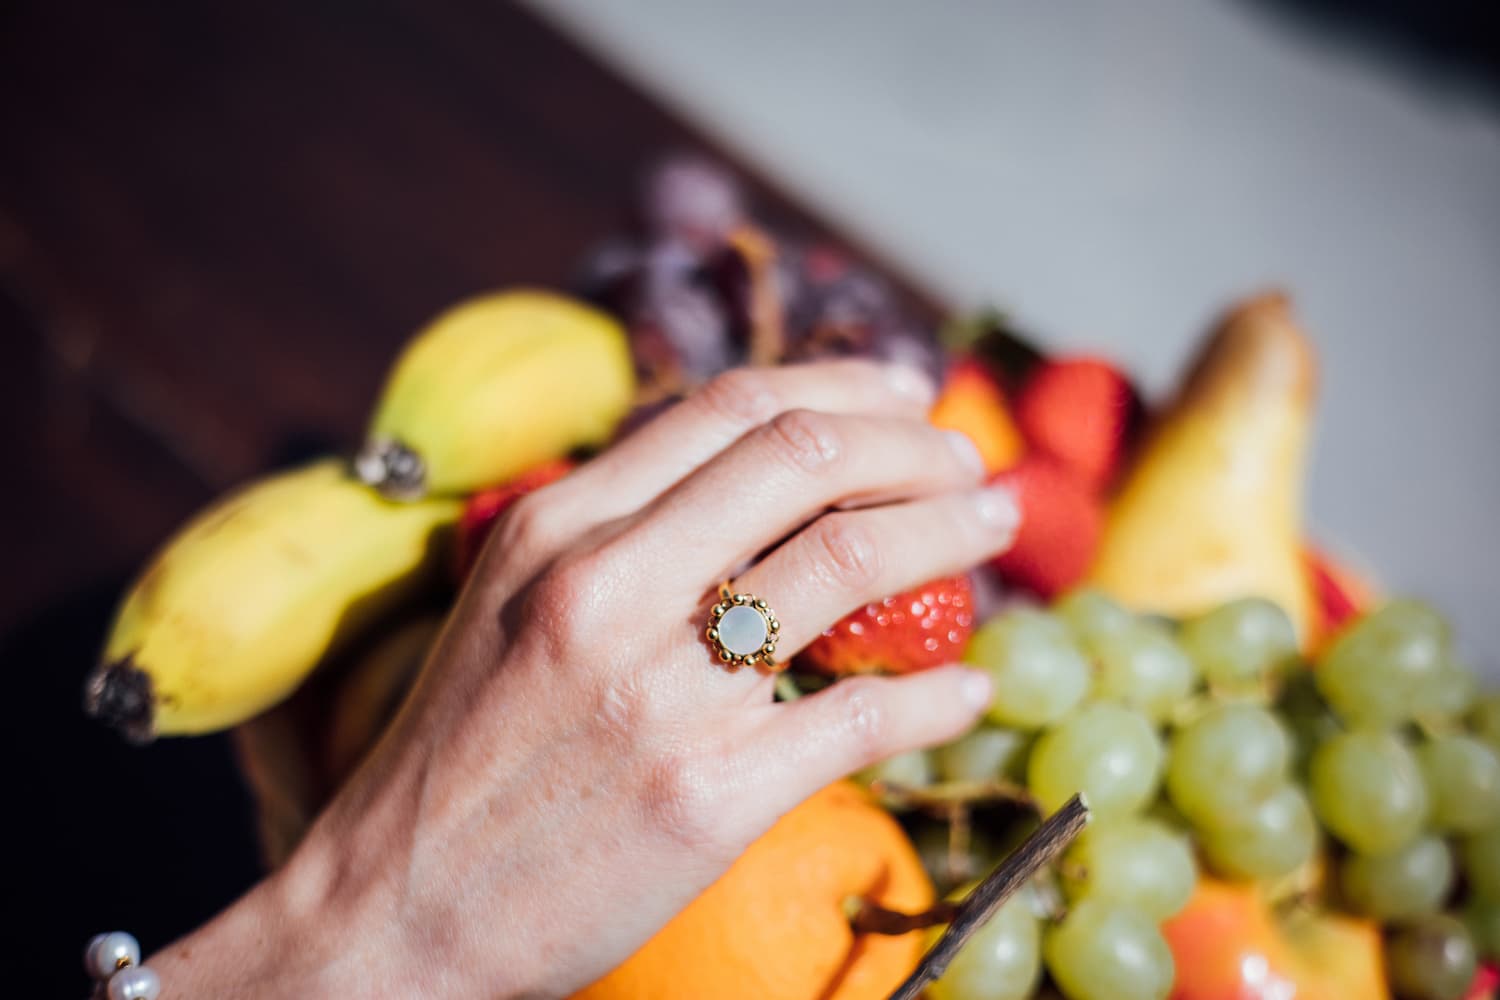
(1211, 510)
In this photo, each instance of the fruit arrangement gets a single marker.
(1262, 822)
(1294, 783)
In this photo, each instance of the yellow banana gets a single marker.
(367, 698)
(493, 387)
(247, 599)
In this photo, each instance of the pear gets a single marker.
(1211, 510)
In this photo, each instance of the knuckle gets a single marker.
(848, 550)
(805, 440)
(866, 721)
(560, 603)
(528, 526)
(682, 800)
(744, 397)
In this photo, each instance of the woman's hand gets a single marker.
(575, 765)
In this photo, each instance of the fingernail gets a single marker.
(976, 689)
(910, 383)
(964, 449)
(997, 508)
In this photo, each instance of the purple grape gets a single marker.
(693, 201)
(685, 290)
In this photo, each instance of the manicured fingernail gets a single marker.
(976, 689)
(910, 383)
(997, 508)
(965, 450)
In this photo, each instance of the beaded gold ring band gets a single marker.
(743, 630)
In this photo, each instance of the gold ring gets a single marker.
(743, 630)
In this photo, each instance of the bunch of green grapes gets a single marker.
(1407, 781)
(1210, 744)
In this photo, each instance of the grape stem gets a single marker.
(767, 333)
(960, 833)
(943, 796)
(1046, 843)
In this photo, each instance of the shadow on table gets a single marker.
(106, 836)
(1451, 46)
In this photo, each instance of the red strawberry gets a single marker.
(484, 508)
(1061, 521)
(1339, 594)
(1486, 984)
(1081, 411)
(915, 630)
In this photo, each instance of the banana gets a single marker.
(495, 386)
(367, 698)
(246, 600)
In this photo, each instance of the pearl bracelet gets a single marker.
(113, 961)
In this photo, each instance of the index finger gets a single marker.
(647, 463)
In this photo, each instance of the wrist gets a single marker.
(280, 939)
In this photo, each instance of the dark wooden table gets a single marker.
(217, 224)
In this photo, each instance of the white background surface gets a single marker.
(1115, 173)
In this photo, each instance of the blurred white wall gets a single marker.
(1114, 173)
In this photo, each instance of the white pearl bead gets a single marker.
(106, 951)
(135, 983)
(742, 630)
(88, 955)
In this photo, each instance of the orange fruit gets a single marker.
(973, 402)
(773, 927)
(1230, 942)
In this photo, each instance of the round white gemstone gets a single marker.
(742, 630)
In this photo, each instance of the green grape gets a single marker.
(1374, 673)
(1002, 961)
(1463, 776)
(1275, 838)
(1109, 951)
(1482, 917)
(1138, 861)
(1040, 673)
(1240, 644)
(1432, 959)
(1484, 718)
(1308, 720)
(1142, 666)
(932, 841)
(912, 769)
(1226, 761)
(1109, 753)
(1449, 695)
(1368, 790)
(1092, 615)
(985, 753)
(1481, 858)
(1411, 882)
